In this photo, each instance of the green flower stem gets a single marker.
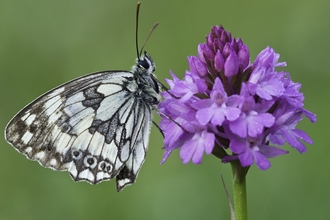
(239, 188)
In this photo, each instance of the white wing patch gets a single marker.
(30, 119)
(27, 137)
(96, 127)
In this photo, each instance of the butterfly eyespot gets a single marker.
(104, 166)
(90, 161)
(76, 155)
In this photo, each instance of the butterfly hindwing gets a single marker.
(129, 172)
(96, 127)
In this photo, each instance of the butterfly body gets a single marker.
(96, 127)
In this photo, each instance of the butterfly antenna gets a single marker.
(139, 52)
(137, 30)
(150, 32)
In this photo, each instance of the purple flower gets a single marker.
(194, 148)
(186, 88)
(287, 117)
(251, 121)
(250, 150)
(215, 109)
(245, 110)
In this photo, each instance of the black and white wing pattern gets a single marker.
(96, 127)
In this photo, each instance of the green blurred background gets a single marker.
(46, 43)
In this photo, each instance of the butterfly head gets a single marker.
(144, 65)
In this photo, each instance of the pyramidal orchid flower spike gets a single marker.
(232, 108)
(239, 111)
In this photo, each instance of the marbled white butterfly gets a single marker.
(96, 127)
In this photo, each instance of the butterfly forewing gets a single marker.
(96, 127)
